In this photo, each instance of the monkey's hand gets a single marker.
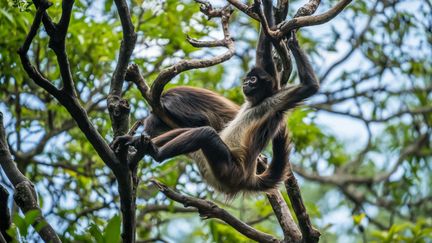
(122, 142)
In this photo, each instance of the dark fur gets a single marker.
(192, 107)
(265, 88)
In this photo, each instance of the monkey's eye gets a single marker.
(253, 79)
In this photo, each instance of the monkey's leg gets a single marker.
(168, 136)
(215, 150)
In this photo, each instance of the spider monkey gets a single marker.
(196, 107)
(228, 159)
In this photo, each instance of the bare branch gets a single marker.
(25, 194)
(287, 26)
(207, 9)
(5, 219)
(118, 107)
(58, 44)
(283, 214)
(308, 9)
(46, 20)
(152, 208)
(28, 67)
(208, 209)
(126, 48)
(200, 44)
(244, 8)
(133, 74)
(310, 234)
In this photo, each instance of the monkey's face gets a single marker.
(257, 85)
(250, 84)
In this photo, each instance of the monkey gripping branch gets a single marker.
(276, 31)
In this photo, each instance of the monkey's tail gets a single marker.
(278, 168)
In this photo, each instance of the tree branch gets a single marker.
(118, 107)
(208, 209)
(310, 234)
(5, 219)
(308, 9)
(126, 180)
(32, 71)
(58, 44)
(284, 28)
(295, 23)
(285, 219)
(126, 48)
(25, 194)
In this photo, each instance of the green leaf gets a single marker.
(112, 230)
(358, 218)
(21, 224)
(7, 15)
(96, 233)
(30, 216)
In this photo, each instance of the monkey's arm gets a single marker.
(264, 56)
(308, 78)
(291, 96)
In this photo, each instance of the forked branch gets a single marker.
(25, 195)
(299, 20)
(68, 98)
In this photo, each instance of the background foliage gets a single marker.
(361, 146)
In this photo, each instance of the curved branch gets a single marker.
(285, 219)
(308, 9)
(126, 48)
(28, 67)
(244, 8)
(133, 74)
(208, 209)
(25, 194)
(118, 107)
(310, 234)
(286, 26)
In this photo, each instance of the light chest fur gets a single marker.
(232, 135)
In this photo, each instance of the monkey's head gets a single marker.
(258, 85)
